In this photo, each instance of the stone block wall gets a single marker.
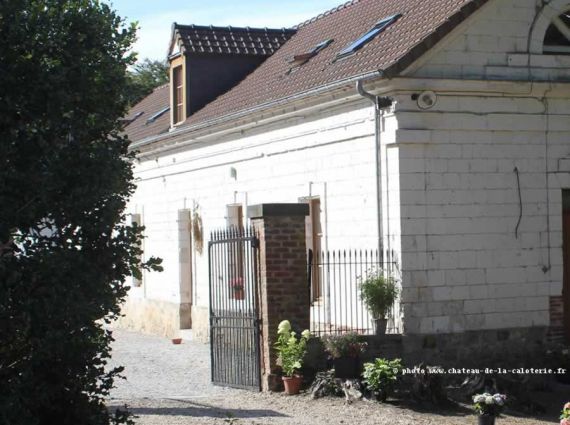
(155, 317)
(494, 44)
(476, 255)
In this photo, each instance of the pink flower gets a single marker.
(567, 406)
(236, 283)
(565, 422)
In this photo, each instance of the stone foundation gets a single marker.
(155, 317)
(487, 348)
(506, 348)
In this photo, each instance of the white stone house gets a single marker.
(462, 172)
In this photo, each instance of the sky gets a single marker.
(155, 17)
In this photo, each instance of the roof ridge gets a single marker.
(231, 28)
(161, 86)
(327, 13)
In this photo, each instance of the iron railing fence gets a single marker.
(334, 285)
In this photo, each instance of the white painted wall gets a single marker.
(331, 155)
(450, 193)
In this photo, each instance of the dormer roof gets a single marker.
(198, 39)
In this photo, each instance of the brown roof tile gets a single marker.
(140, 127)
(231, 40)
(422, 24)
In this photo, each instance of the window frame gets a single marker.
(367, 37)
(178, 115)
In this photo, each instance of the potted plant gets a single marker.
(565, 416)
(379, 292)
(380, 376)
(237, 287)
(488, 406)
(291, 351)
(345, 351)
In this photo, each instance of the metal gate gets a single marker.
(233, 256)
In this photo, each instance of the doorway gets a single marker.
(566, 260)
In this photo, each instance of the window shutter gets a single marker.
(136, 219)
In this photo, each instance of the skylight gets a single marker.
(320, 46)
(158, 114)
(301, 58)
(366, 38)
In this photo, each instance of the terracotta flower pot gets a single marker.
(486, 420)
(292, 384)
(177, 341)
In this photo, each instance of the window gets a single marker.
(178, 94)
(369, 36)
(157, 115)
(234, 220)
(138, 280)
(557, 37)
(313, 236)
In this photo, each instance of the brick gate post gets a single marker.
(284, 291)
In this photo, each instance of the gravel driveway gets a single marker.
(169, 385)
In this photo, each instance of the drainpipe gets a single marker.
(379, 103)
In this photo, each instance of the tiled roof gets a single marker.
(138, 126)
(231, 40)
(421, 25)
(423, 22)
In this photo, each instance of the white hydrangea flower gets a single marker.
(284, 327)
(306, 334)
(489, 399)
(479, 398)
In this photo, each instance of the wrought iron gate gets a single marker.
(233, 256)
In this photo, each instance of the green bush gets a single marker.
(65, 180)
(381, 375)
(378, 293)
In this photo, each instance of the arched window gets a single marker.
(557, 37)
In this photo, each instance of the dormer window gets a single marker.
(178, 95)
(207, 61)
(557, 37)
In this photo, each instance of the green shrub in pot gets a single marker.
(381, 375)
(379, 291)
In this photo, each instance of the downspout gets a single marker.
(379, 104)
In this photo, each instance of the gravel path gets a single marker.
(169, 385)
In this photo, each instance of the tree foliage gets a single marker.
(65, 178)
(144, 77)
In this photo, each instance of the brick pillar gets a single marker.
(556, 331)
(283, 281)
